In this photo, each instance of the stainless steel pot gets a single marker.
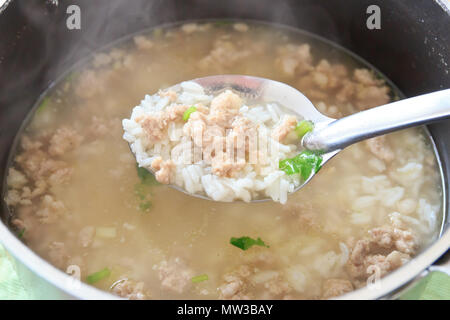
(411, 48)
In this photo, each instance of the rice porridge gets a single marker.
(79, 198)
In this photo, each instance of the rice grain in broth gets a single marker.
(77, 198)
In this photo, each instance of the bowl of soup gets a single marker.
(77, 206)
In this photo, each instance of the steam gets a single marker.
(46, 47)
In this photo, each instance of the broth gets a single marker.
(77, 198)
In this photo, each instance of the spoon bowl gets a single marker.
(330, 135)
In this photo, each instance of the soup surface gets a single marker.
(79, 201)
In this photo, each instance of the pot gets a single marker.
(411, 47)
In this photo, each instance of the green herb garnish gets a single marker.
(188, 112)
(245, 243)
(139, 190)
(143, 188)
(304, 163)
(21, 232)
(200, 278)
(142, 191)
(146, 177)
(303, 127)
(145, 206)
(97, 276)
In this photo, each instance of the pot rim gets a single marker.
(387, 286)
(48, 272)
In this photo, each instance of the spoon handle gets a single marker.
(394, 116)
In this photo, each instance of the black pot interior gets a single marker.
(411, 48)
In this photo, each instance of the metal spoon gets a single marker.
(330, 135)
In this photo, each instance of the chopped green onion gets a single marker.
(188, 112)
(139, 191)
(245, 243)
(304, 163)
(21, 232)
(303, 127)
(145, 206)
(142, 191)
(97, 276)
(288, 166)
(200, 278)
(146, 177)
